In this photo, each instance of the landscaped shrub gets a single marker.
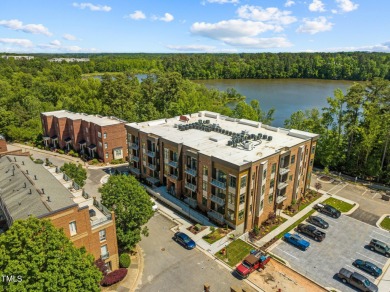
(94, 161)
(38, 161)
(124, 260)
(60, 151)
(198, 227)
(117, 161)
(114, 277)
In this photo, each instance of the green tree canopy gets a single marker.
(75, 172)
(45, 259)
(132, 206)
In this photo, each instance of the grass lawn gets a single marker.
(338, 204)
(212, 237)
(291, 227)
(386, 223)
(236, 251)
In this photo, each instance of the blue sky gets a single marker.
(170, 26)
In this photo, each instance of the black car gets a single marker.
(328, 210)
(184, 240)
(318, 221)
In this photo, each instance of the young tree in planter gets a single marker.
(132, 206)
(75, 172)
(318, 186)
(44, 259)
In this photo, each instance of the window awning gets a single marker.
(68, 140)
(92, 146)
(82, 142)
(55, 137)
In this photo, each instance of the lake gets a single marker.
(285, 95)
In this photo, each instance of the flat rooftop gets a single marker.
(96, 119)
(19, 175)
(216, 144)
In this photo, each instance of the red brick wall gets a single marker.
(3, 145)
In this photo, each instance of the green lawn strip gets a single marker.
(386, 223)
(291, 227)
(236, 251)
(308, 202)
(213, 236)
(338, 204)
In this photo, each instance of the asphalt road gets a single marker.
(170, 267)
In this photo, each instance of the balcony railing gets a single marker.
(134, 158)
(135, 170)
(134, 146)
(217, 200)
(173, 163)
(280, 199)
(190, 186)
(85, 195)
(173, 176)
(282, 185)
(152, 166)
(283, 170)
(190, 171)
(190, 201)
(105, 256)
(218, 184)
(151, 153)
(104, 210)
(216, 216)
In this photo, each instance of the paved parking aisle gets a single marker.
(346, 240)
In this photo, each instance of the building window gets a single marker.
(270, 197)
(105, 135)
(102, 235)
(261, 204)
(313, 149)
(292, 159)
(204, 201)
(205, 170)
(86, 130)
(205, 186)
(72, 228)
(106, 154)
(233, 181)
(273, 168)
(311, 162)
(241, 214)
(99, 134)
(272, 183)
(105, 145)
(243, 182)
(100, 144)
(242, 198)
(263, 189)
(230, 215)
(264, 173)
(231, 198)
(104, 252)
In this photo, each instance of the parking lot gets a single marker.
(346, 240)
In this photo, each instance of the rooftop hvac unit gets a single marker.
(230, 143)
(253, 136)
(175, 125)
(191, 126)
(234, 145)
(269, 138)
(208, 130)
(207, 121)
(259, 136)
(264, 137)
(248, 145)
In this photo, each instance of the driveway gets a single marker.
(346, 240)
(170, 267)
(365, 216)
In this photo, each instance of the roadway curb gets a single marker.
(378, 223)
(140, 262)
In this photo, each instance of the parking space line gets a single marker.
(371, 259)
(374, 195)
(287, 253)
(328, 219)
(364, 192)
(381, 234)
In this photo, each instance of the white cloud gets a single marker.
(25, 43)
(384, 47)
(92, 7)
(69, 37)
(137, 15)
(258, 43)
(289, 3)
(56, 45)
(16, 24)
(167, 17)
(315, 25)
(347, 5)
(223, 1)
(317, 6)
(191, 48)
(271, 14)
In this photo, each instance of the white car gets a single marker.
(155, 206)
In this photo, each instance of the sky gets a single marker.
(197, 26)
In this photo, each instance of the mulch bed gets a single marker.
(194, 230)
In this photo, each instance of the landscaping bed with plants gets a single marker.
(386, 223)
(195, 229)
(216, 234)
(301, 204)
(266, 227)
(234, 252)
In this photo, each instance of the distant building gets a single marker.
(18, 57)
(3, 144)
(91, 135)
(69, 60)
(29, 189)
(236, 170)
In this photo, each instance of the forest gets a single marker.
(354, 128)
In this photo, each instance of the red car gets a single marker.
(252, 262)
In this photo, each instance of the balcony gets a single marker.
(190, 186)
(283, 170)
(280, 199)
(173, 176)
(282, 185)
(152, 180)
(152, 166)
(134, 146)
(216, 216)
(134, 158)
(217, 200)
(190, 171)
(105, 256)
(190, 201)
(173, 163)
(218, 184)
(135, 170)
(151, 154)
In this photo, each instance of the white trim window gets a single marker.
(73, 228)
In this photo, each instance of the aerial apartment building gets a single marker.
(238, 171)
(91, 135)
(30, 189)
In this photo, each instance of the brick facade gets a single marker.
(3, 144)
